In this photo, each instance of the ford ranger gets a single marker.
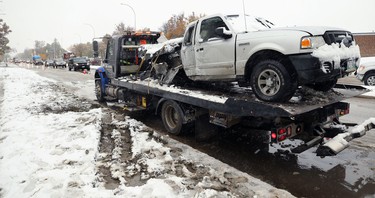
(273, 61)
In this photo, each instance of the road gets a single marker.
(349, 174)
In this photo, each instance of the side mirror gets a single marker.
(95, 47)
(222, 32)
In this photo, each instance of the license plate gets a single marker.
(350, 65)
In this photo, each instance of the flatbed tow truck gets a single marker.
(310, 115)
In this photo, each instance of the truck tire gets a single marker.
(369, 79)
(99, 91)
(324, 86)
(172, 116)
(271, 82)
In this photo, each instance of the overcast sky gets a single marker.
(74, 21)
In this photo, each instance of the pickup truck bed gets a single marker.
(241, 101)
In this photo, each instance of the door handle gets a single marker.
(200, 49)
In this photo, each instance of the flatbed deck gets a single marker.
(241, 101)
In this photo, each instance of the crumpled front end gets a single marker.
(333, 55)
(339, 53)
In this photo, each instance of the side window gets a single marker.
(110, 49)
(188, 36)
(208, 27)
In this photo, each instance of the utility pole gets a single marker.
(135, 17)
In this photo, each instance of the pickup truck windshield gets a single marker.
(251, 23)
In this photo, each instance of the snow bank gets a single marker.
(42, 153)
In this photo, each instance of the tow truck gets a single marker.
(140, 81)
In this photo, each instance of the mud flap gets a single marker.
(341, 141)
(204, 130)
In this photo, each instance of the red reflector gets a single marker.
(282, 131)
(281, 138)
(273, 135)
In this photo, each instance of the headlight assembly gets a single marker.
(312, 42)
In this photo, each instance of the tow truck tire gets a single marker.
(369, 79)
(98, 91)
(271, 82)
(172, 116)
(324, 86)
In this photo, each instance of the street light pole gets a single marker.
(92, 27)
(135, 20)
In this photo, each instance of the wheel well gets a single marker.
(267, 55)
(369, 72)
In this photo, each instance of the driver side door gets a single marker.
(214, 55)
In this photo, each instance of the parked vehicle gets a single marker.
(60, 63)
(366, 73)
(135, 84)
(78, 63)
(49, 63)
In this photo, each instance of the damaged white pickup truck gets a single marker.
(274, 61)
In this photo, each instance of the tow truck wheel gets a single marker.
(270, 81)
(98, 91)
(369, 79)
(324, 86)
(172, 116)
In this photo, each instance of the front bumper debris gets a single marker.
(341, 141)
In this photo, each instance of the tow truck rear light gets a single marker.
(344, 112)
(281, 138)
(273, 135)
(343, 109)
(282, 131)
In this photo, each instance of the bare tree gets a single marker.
(121, 28)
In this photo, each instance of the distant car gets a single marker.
(38, 62)
(366, 73)
(50, 63)
(60, 63)
(78, 63)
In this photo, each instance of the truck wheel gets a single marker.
(98, 91)
(70, 69)
(172, 116)
(270, 81)
(324, 86)
(369, 79)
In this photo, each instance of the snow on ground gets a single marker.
(49, 147)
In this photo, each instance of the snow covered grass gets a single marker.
(50, 147)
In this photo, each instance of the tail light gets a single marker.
(282, 133)
(343, 109)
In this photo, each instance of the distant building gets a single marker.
(366, 42)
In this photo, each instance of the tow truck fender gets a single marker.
(104, 80)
